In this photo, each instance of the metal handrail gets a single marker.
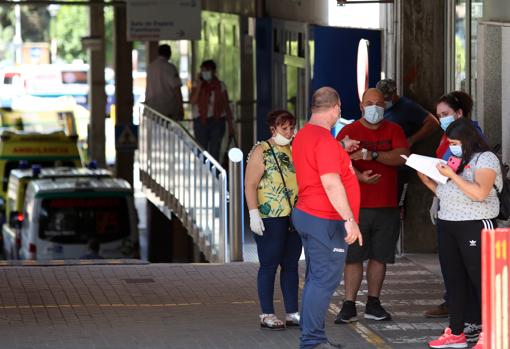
(187, 179)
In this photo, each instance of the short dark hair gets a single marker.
(209, 65)
(472, 141)
(324, 98)
(458, 100)
(280, 117)
(165, 51)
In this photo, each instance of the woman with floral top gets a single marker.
(271, 190)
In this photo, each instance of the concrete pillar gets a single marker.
(151, 51)
(422, 76)
(496, 10)
(123, 90)
(493, 74)
(97, 94)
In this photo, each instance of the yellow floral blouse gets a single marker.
(271, 191)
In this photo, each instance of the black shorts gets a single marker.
(380, 228)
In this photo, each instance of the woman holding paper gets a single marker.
(469, 203)
(450, 107)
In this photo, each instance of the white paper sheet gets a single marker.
(426, 165)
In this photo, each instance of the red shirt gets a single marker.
(315, 152)
(387, 137)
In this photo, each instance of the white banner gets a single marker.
(154, 20)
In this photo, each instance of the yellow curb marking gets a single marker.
(365, 333)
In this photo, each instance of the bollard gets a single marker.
(236, 206)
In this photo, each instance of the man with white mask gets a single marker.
(382, 142)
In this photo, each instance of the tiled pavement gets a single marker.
(186, 306)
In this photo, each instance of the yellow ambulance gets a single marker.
(20, 149)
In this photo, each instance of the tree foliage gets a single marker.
(69, 26)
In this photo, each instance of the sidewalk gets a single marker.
(188, 306)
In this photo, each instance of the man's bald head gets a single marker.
(324, 99)
(325, 107)
(372, 96)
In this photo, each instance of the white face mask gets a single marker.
(374, 114)
(281, 140)
(206, 75)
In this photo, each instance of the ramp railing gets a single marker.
(187, 180)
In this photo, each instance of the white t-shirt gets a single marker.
(162, 80)
(454, 205)
(210, 107)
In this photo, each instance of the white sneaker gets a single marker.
(292, 320)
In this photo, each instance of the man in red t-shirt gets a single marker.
(382, 143)
(326, 213)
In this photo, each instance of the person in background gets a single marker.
(211, 109)
(415, 120)
(468, 204)
(163, 92)
(270, 196)
(382, 142)
(326, 213)
(450, 107)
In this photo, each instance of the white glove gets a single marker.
(433, 209)
(256, 224)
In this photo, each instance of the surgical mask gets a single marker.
(374, 114)
(456, 150)
(206, 75)
(446, 121)
(388, 105)
(281, 140)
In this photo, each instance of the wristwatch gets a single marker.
(350, 219)
(375, 155)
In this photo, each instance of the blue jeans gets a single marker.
(278, 247)
(325, 252)
(210, 135)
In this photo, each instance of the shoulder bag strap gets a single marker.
(281, 173)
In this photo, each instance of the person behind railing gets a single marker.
(163, 91)
(271, 190)
(210, 108)
(468, 204)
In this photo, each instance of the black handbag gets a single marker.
(504, 195)
(287, 195)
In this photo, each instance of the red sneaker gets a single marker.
(449, 340)
(479, 344)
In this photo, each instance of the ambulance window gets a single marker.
(77, 220)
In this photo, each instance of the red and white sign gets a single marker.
(495, 287)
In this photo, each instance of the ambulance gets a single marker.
(62, 215)
(20, 149)
(18, 181)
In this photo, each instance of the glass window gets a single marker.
(460, 45)
(77, 220)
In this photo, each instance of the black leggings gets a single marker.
(460, 248)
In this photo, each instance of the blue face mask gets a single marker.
(388, 105)
(374, 114)
(446, 121)
(456, 150)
